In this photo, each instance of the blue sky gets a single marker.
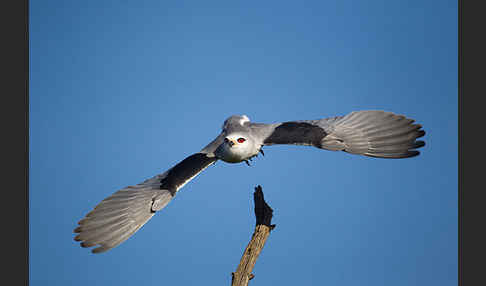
(122, 90)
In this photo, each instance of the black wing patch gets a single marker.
(184, 171)
(300, 133)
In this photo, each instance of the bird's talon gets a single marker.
(246, 161)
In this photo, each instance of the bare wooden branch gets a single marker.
(263, 214)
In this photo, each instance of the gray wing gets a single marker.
(120, 215)
(371, 133)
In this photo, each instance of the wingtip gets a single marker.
(86, 244)
(421, 133)
(100, 249)
(419, 144)
(411, 154)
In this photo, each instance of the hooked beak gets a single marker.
(230, 142)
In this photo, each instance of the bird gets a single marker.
(371, 133)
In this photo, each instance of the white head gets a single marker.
(236, 147)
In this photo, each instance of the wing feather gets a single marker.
(373, 133)
(120, 215)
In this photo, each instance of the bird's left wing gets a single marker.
(120, 215)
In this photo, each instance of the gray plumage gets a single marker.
(371, 133)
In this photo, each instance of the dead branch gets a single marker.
(263, 214)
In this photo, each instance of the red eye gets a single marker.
(241, 140)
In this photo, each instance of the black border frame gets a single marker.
(15, 143)
(471, 237)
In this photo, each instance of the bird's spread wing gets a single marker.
(120, 215)
(372, 133)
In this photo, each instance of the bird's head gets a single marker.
(235, 140)
(236, 147)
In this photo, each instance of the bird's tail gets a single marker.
(374, 133)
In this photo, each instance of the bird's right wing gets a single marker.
(371, 133)
(120, 215)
